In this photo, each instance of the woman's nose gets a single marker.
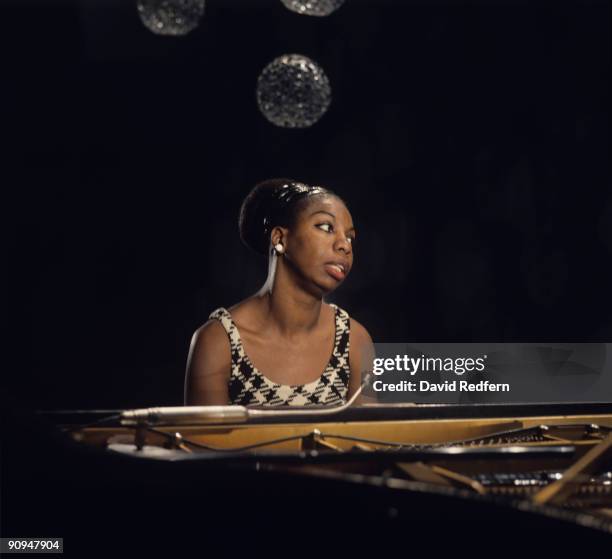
(344, 244)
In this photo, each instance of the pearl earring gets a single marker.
(279, 248)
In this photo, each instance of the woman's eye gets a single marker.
(328, 227)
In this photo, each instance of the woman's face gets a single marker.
(320, 245)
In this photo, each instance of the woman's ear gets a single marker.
(279, 235)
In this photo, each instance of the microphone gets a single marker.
(203, 415)
(180, 415)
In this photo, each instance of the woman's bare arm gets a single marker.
(361, 354)
(208, 366)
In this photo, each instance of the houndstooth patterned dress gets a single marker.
(248, 386)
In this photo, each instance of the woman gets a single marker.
(270, 348)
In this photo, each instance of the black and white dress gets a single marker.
(249, 386)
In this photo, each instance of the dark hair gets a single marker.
(273, 202)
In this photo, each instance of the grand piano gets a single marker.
(523, 472)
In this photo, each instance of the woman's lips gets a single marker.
(335, 272)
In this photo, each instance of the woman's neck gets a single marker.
(286, 307)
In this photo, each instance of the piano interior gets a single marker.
(551, 459)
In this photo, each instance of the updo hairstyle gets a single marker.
(273, 202)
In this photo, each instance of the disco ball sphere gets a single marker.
(313, 7)
(171, 17)
(293, 91)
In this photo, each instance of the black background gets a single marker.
(469, 139)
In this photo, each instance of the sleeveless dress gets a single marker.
(249, 386)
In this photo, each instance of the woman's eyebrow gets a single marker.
(323, 212)
(328, 213)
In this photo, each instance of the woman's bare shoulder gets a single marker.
(208, 365)
(210, 344)
(359, 332)
(361, 354)
(245, 306)
(247, 313)
(212, 329)
(360, 342)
